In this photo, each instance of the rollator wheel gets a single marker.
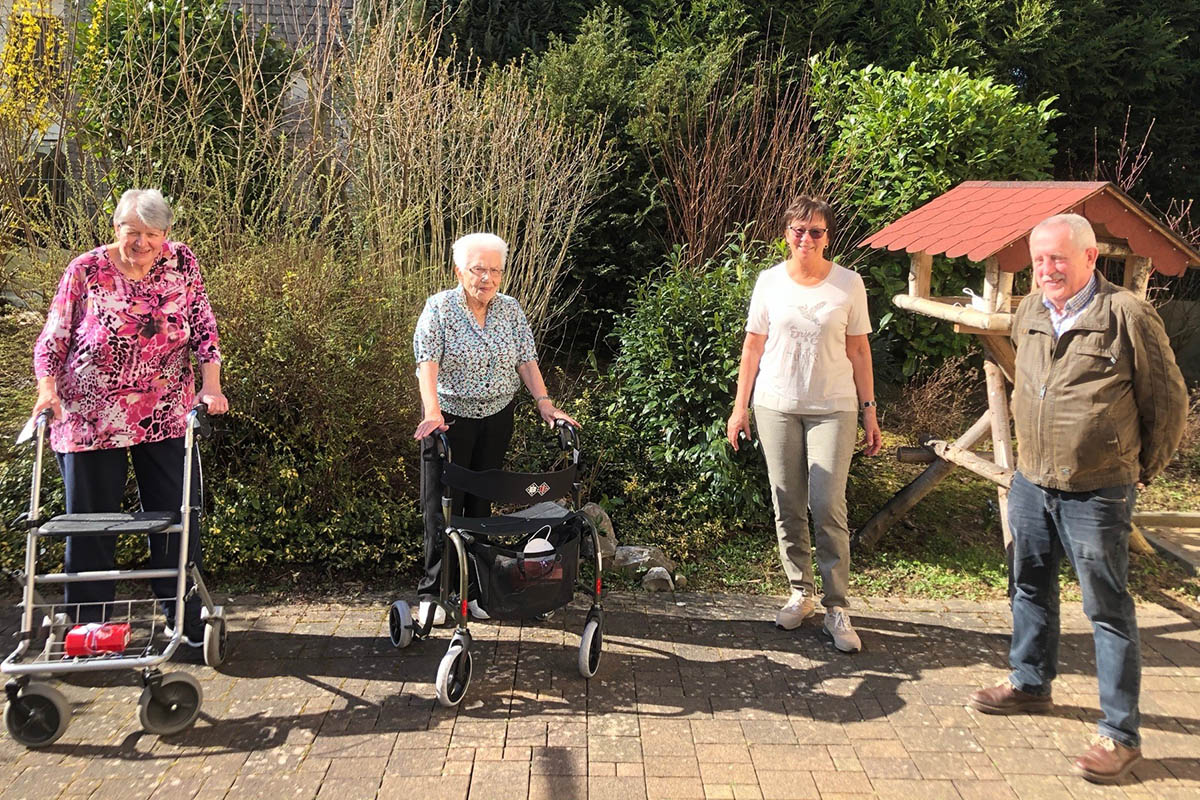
(39, 716)
(453, 675)
(590, 645)
(216, 638)
(177, 707)
(400, 624)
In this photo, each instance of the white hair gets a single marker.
(1082, 235)
(148, 205)
(478, 241)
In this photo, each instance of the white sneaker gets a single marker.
(476, 611)
(837, 627)
(439, 613)
(799, 608)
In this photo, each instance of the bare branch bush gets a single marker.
(1127, 165)
(379, 140)
(736, 155)
(942, 403)
(437, 150)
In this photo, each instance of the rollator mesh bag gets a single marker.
(513, 585)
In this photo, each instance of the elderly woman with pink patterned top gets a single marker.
(114, 365)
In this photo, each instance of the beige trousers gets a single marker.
(808, 461)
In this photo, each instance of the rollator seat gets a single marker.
(109, 523)
(518, 523)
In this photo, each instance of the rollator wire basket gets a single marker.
(514, 584)
(37, 713)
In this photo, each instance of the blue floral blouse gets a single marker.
(477, 366)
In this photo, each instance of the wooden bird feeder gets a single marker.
(990, 222)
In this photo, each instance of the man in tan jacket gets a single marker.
(1099, 407)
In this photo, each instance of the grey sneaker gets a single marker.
(799, 608)
(837, 627)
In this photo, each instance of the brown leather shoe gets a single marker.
(1107, 761)
(1004, 699)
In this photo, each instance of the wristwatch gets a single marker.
(869, 404)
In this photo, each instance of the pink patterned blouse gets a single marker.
(120, 349)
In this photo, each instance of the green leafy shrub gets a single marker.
(675, 376)
(316, 466)
(633, 69)
(915, 135)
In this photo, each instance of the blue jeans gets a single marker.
(1093, 529)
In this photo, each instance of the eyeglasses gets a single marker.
(815, 233)
(479, 272)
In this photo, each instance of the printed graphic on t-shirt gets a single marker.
(805, 338)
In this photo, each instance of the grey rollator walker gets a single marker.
(527, 562)
(50, 644)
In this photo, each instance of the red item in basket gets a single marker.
(97, 637)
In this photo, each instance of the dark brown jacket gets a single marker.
(1106, 404)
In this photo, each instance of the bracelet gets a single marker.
(537, 400)
(869, 404)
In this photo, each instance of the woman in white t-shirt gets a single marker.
(808, 362)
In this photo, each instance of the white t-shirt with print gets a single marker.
(804, 367)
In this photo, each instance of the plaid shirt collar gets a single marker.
(1072, 308)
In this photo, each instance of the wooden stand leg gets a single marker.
(903, 501)
(1001, 361)
(997, 392)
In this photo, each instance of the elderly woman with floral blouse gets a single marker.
(114, 365)
(473, 348)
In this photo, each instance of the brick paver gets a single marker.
(698, 696)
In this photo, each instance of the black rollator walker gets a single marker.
(527, 562)
(49, 644)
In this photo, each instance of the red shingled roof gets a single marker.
(980, 219)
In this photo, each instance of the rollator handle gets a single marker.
(36, 424)
(198, 417)
(443, 447)
(568, 435)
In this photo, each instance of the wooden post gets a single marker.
(1137, 274)
(1000, 350)
(1167, 519)
(920, 274)
(927, 455)
(999, 323)
(997, 286)
(973, 462)
(997, 292)
(903, 501)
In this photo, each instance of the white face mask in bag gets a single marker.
(539, 544)
(539, 559)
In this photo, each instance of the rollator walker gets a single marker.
(527, 562)
(50, 644)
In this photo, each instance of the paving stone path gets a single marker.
(699, 696)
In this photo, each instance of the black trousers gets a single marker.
(94, 481)
(476, 444)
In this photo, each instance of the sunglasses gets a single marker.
(815, 233)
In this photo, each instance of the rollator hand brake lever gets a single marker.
(199, 413)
